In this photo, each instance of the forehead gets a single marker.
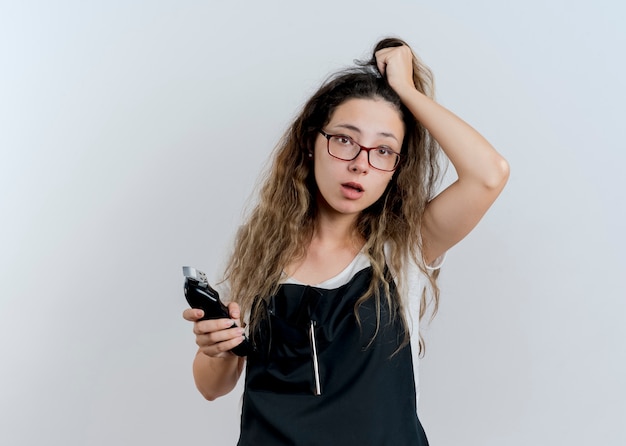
(368, 117)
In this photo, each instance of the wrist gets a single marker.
(408, 94)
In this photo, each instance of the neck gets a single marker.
(336, 230)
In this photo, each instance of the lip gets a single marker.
(352, 191)
(353, 185)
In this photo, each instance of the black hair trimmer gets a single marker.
(199, 294)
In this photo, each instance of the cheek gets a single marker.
(321, 171)
(325, 165)
(382, 186)
(319, 149)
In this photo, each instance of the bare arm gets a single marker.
(482, 172)
(215, 369)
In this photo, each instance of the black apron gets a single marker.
(315, 379)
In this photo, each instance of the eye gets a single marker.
(343, 139)
(384, 151)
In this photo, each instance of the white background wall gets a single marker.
(132, 134)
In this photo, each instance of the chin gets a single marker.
(343, 206)
(349, 208)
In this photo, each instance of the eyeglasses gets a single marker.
(345, 148)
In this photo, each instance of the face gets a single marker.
(348, 187)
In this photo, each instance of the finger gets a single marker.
(218, 343)
(384, 57)
(216, 337)
(233, 310)
(386, 54)
(223, 349)
(381, 67)
(381, 60)
(212, 325)
(193, 314)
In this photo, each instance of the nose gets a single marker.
(360, 163)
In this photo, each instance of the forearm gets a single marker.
(216, 376)
(473, 158)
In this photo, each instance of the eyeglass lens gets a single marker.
(346, 149)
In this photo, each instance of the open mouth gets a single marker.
(355, 186)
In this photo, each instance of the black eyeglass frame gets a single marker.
(362, 148)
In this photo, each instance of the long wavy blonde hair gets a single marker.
(280, 226)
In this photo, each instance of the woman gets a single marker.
(331, 268)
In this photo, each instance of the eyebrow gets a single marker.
(357, 130)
